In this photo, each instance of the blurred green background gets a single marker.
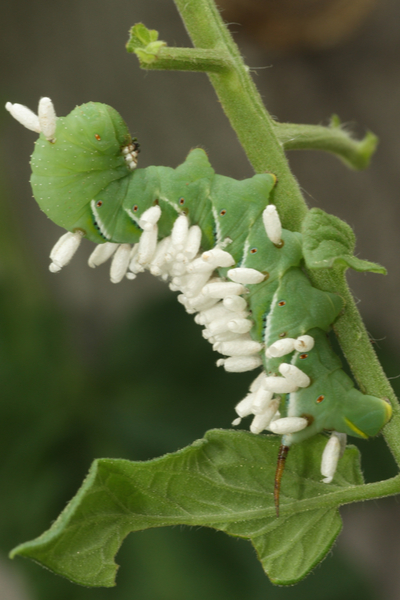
(89, 370)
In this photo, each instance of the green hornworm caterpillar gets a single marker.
(219, 243)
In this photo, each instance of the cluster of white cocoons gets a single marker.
(219, 305)
(284, 346)
(262, 403)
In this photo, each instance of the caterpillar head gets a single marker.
(78, 174)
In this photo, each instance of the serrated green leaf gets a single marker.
(224, 481)
(328, 241)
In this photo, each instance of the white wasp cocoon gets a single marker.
(280, 385)
(47, 118)
(258, 382)
(202, 302)
(272, 224)
(177, 269)
(220, 324)
(240, 348)
(304, 343)
(182, 299)
(243, 408)
(236, 422)
(180, 232)
(288, 425)
(134, 266)
(227, 336)
(262, 398)
(147, 245)
(193, 242)
(120, 263)
(235, 303)
(217, 327)
(211, 260)
(240, 364)
(171, 253)
(64, 250)
(101, 254)
(245, 275)
(218, 258)
(180, 258)
(263, 421)
(25, 116)
(199, 266)
(218, 338)
(240, 325)
(276, 416)
(295, 375)
(223, 289)
(215, 312)
(280, 348)
(150, 217)
(193, 284)
(158, 259)
(330, 458)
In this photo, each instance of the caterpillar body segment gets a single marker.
(220, 243)
(331, 402)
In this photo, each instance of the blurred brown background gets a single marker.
(327, 57)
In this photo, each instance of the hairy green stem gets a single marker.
(244, 107)
(186, 59)
(355, 154)
(347, 495)
(264, 142)
(356, 345)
